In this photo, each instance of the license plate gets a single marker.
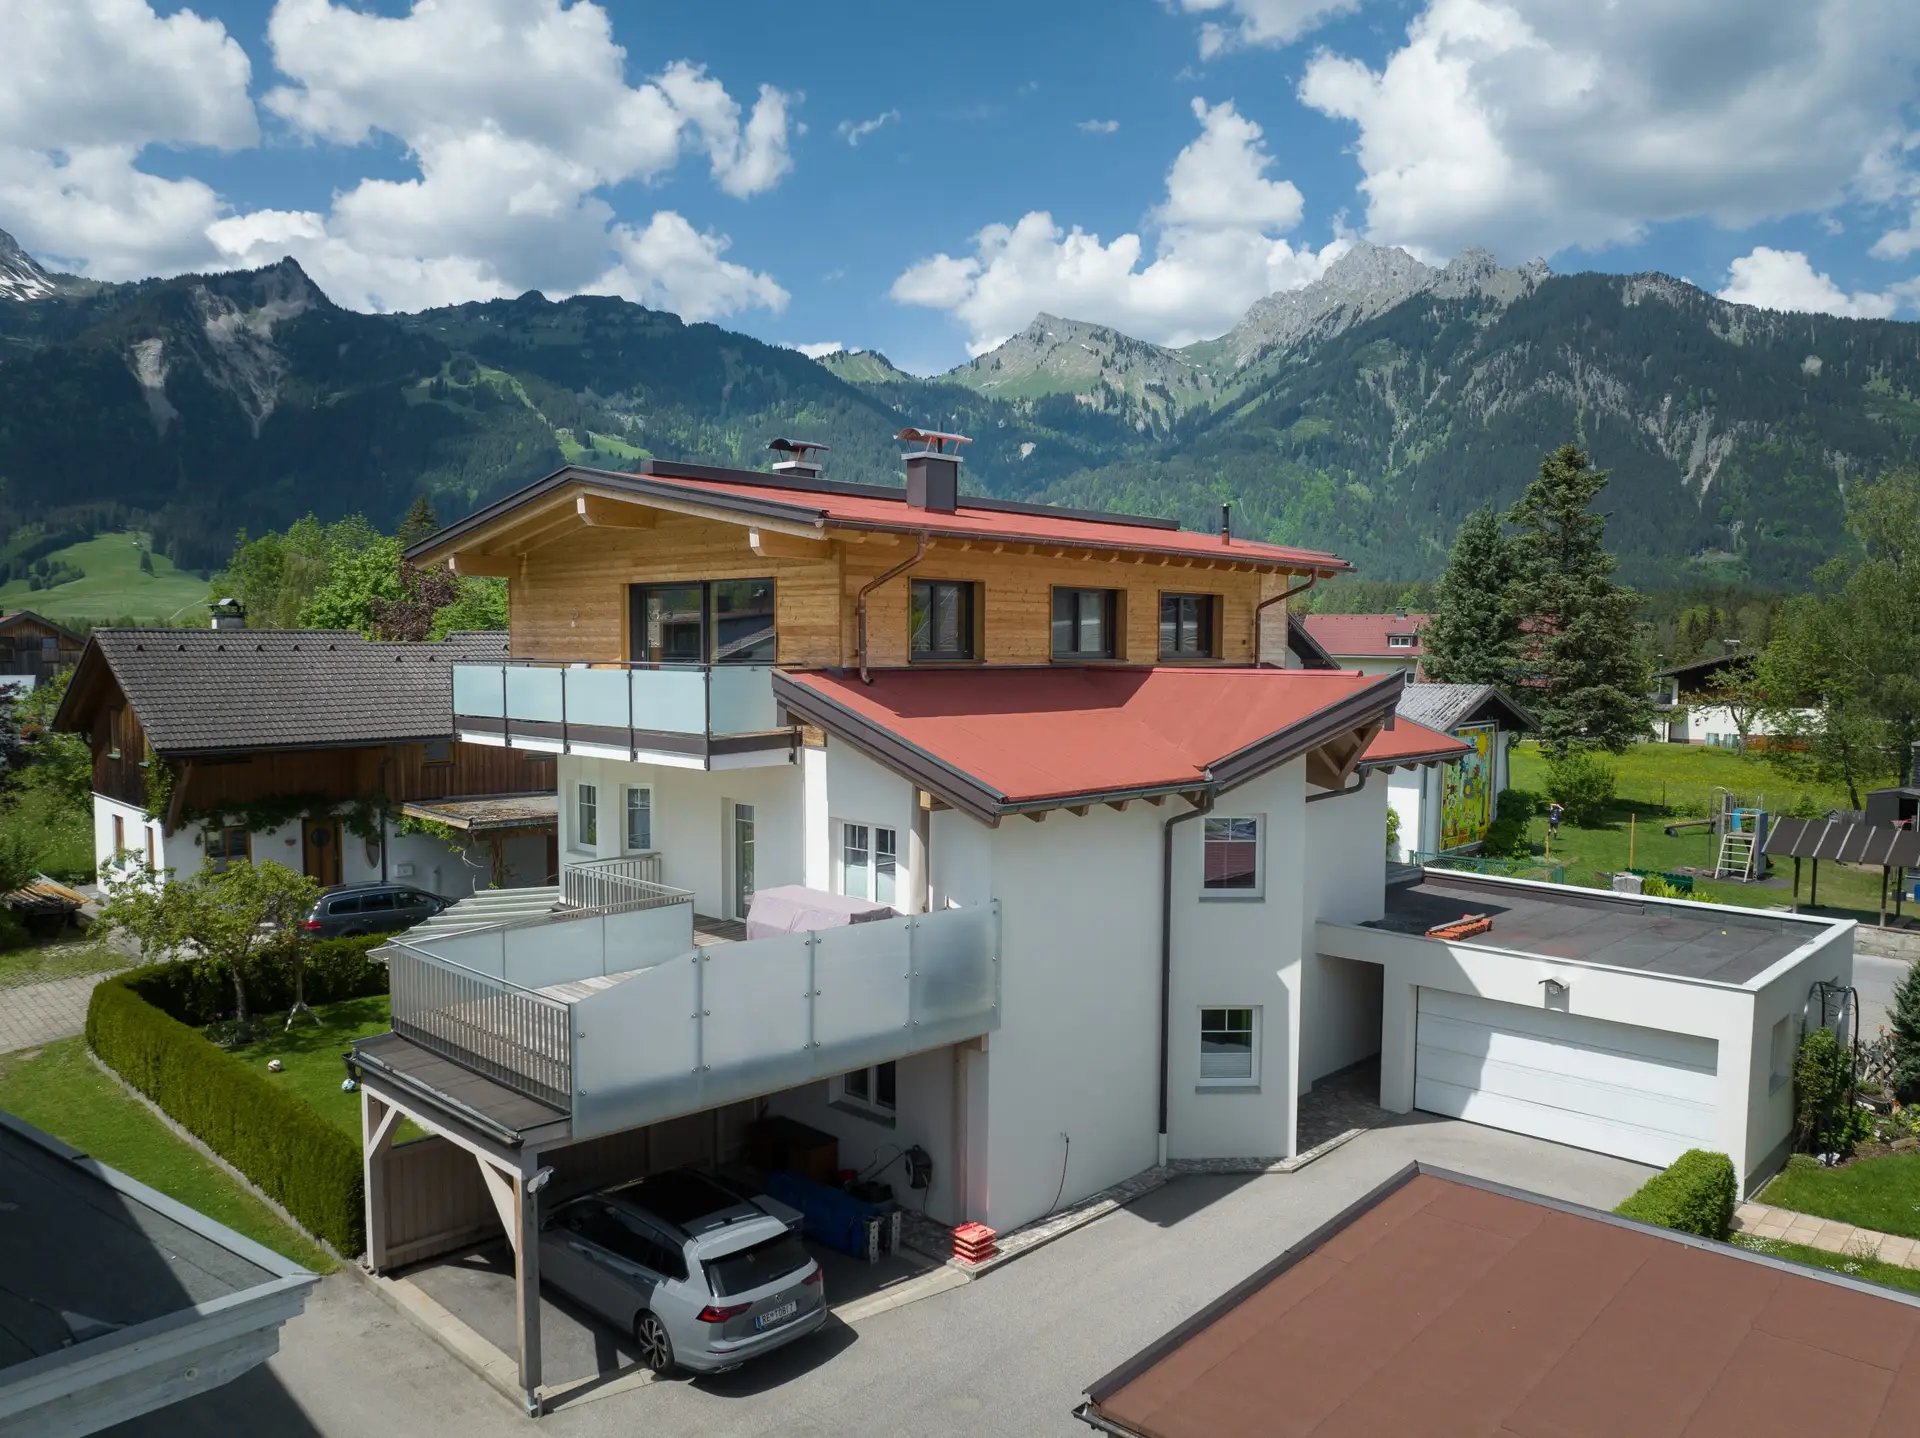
(776, 1315)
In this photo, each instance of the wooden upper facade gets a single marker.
(31, 644)
(582, 550)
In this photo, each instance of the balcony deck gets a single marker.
(699, 716)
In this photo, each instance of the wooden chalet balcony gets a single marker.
(698, 716)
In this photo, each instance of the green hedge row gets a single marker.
(300, 1159)
(1695, 1195)
(336, 969)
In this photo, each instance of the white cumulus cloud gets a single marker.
(1786, 280)
(516, 116)
(821, 349)
(1535, 125)
(1217, 252)
(1261, 22)
(1098, 127)
(854, 131)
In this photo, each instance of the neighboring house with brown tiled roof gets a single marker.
(1371, 643)
(199, 737)
(33, 645)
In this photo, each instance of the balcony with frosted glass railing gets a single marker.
(618, 1019)
(681, 714)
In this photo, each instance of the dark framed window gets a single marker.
(1186, 626)
(722, 621)
(1084, 623)
(942, 619)
(227, 846)
(437, 751)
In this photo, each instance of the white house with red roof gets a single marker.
(1371, 643)
(976, 848)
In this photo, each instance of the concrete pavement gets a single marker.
(35, 1014)
(1008, 1354)
(1875, 978)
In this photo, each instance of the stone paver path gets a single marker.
(35, 1014)
(1761, 1221)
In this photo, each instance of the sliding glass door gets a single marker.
(723, 621)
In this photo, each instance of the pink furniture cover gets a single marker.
(794, 908)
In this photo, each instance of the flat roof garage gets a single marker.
(1441, 1304)
(1631, 1026)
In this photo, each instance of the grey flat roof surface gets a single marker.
(504, 1106)
(1600, 928)
(79, 1258)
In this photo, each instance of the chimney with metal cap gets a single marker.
(228, 614)
(933, 470)
(799, 462)
(1226, 523)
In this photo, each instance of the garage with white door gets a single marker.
(1626, 1025)
(1638, 1093)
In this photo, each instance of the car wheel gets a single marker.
(656, 1349)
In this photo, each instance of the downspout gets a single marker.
(381, 780)
(860, 604)
(1166, 960)
(1280, 598)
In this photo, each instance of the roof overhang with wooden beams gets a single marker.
(785, 517)
(996, 742)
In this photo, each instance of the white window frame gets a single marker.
(1400, 641)
(1210, 1082)
(627, 791)
(586, 797)
(1259, 890)
(871, 848)
(869, 1103)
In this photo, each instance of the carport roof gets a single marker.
(1728, 946)
(1444, 1304)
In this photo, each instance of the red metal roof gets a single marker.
(1027, 735)
(1366, 634)
(859, 511)
(1411, 743)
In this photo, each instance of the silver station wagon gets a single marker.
(702, 1277)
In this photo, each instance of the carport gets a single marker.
(1630, 1026)
(587, 1046)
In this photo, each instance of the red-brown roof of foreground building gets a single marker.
(995, 740)
(1452, 1306)
(1350, 635)
(825, 505)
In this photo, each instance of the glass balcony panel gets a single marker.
(670, 701)
(477, 690)
(533, 694)
(598, 696)
(636, 1054)
(755, 1007)
(743, 699)
(955, 973)
(861, 974)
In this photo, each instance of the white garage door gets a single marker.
(1637, 1093)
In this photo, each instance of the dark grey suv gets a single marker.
(349, 910)
(702, 1277)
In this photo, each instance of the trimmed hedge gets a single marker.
(1695, 1195)
(336, 969)
(298, 1157)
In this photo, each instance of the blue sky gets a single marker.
(922, 179)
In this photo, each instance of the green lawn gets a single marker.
(1871, 1270)
(60, 1091)
(309, 1054)
(67, 956)
(113, 586)
(1878, 1193)
(1657, 783)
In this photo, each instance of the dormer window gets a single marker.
(1401, 641)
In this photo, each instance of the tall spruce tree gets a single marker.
(421, 521)
(1587, 680)
(1473, 634)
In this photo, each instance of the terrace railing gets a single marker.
(497, 1029)
(606, 709)
(618, 885)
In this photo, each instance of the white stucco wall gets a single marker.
(1345, 873)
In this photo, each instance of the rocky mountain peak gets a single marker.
(20, 277)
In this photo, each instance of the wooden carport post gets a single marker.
(1796, 884)
(517, 1202)
(377, 1122)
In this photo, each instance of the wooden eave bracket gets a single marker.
(772, 544)
(600, 512)
(1333, 763)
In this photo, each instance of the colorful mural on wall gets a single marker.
(1466, 793)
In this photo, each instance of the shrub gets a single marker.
(1823, 1093)
(13, 933)
(1393, 830)
(336, 969)
(1695, 1195)
(1582, 783)
(1507, 834)
(297, 1156)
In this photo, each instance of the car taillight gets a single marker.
(720, 1313)
(310, 925)
(817, 1276)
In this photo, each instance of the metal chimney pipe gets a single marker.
(1226, 523)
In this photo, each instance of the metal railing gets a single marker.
(499, 1030)
(602, 707)
(631, 881)
(1542, 869)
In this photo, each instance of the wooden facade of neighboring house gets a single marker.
(34, 645)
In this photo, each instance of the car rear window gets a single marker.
(756, 1267)
(343, 906)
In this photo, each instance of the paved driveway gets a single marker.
(1009, 1354)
